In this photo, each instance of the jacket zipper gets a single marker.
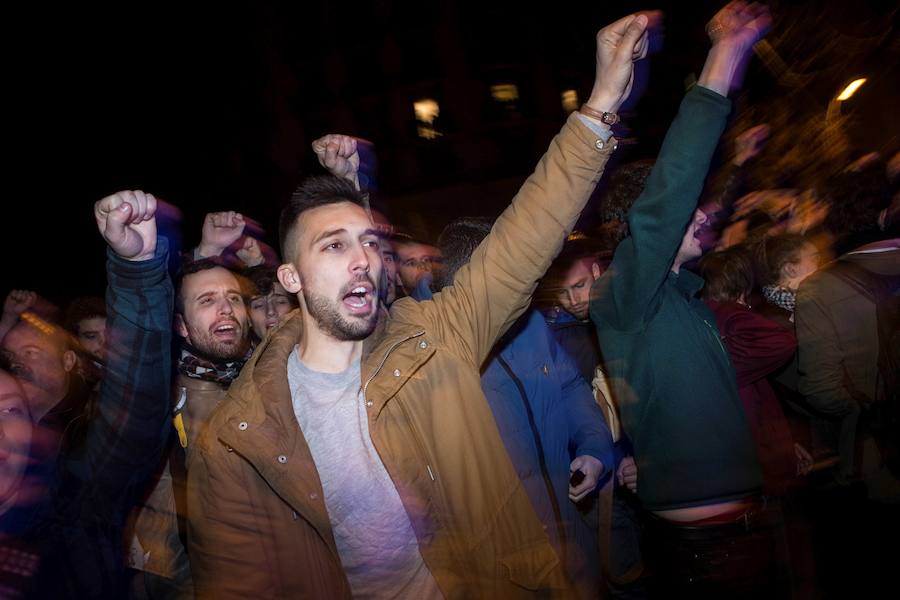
(402, 407)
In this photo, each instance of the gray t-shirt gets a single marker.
(374, 537)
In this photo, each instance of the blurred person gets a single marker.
(389, 259)
(784, 262)
(542, 407)
(213, 322)
(625, 185)
(710, 534)
(417, 265)
(226, 230)
(66, 539)
(269, 302)
(85, 318)
(758, 347)
(846, 323)
(365, 445)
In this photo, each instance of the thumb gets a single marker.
(117, 220)
(632, 34)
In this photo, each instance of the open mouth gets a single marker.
(359, 299)
(226, 330)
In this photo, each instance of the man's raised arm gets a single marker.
(624, 294)
(126, 435)
(493, 289)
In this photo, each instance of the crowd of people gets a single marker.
(515, 409)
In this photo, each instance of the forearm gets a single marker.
(130, 427)
(658, 218)
(495, 287)
(723, 69)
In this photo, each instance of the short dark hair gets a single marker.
(773, 252)
(84, 307)
(728, 274)
(205, 264)
(625, 185)
(457, 242)
(314, 192)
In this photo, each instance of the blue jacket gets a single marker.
(72, 537)
(567, 422)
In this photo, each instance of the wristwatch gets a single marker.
(608, 118)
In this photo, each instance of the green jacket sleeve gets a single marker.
(623, 297)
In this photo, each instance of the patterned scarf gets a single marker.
(780, 296)
(196, 365)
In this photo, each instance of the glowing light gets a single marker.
(569, 100)
(505, 92)
(427, 110)
(850, 89)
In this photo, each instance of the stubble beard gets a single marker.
(327, 315)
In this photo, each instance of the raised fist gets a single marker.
(127, 221)
(250, 253)
(338, 154)
(619, 45)
(17, 302)
(739, 24)
(220, 230)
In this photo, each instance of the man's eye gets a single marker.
(204, 301)
(234, 298)
(334, 246)
(579, 285)
(372, 244)
(11, 410)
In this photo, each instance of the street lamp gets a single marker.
(850, 89)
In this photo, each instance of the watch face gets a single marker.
(610, 118)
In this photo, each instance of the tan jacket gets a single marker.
(258, 525)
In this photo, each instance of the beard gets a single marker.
(328, 317)
(220, 350)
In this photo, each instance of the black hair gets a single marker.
(314, 192)
(855, 200)
(189, 268)
(457, 242)
(728, 274)
(84, 307)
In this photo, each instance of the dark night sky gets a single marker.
(213, 107)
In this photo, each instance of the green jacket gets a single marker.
(671, 374)
(258, 524)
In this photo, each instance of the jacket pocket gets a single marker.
(529, 567)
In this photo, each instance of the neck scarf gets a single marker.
(196, 365)
(780, 296)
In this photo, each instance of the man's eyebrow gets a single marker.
(326, 234)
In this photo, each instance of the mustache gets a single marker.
(356, 281)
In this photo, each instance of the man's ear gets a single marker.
(70, 359)
(289, 278)
(180, 326)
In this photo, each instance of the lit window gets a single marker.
(505, 92)
(569, 100)
(427, 110)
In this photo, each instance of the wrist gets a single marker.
(602, 101)
(208, 250)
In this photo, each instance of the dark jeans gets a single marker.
(744, 559)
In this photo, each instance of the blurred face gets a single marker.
(337, 268)
(215, 318)
(41, 363)
(15, 435)
(575, 289)
(267, 311)
(691, 247)
(806, 264)
(414, 260)
(389, 260)
(92, 336)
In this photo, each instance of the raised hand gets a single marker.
(250, 253)
(220, 230)
(748, 144)
(17, 302)
(338, 153)
(619, 45)
(740, 24)
(733, 31)
(127, 221)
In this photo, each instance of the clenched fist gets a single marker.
(339, 154)
(127, 221)
(220, 230)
